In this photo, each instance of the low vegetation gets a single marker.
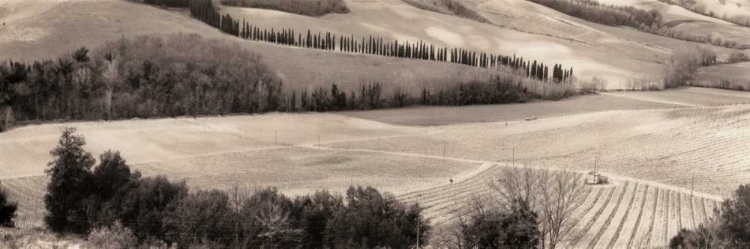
(7, 209)
(494, 228)
(152, 76)
(610, 15)
(646, 21)
(700, 8)
(535, 208)
(729, 228)
(302, 7)
(148, 76)
(682, 68)
(448, 7)
(125, 209)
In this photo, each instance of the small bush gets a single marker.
(7, 209)
(738, 57)
(517, 228)
(114, 237)
(302, 7)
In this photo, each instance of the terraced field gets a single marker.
(624, 214)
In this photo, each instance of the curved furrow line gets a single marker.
(638, 220)
(668, 210)
(463, 191)
(614, 238)
(455, 204)
(598, 212)
(589, 205)
(451, 208)
(424, 194)
(654, 217)
(479, 175)
(592, 243)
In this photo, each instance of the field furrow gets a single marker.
(617, 211)
(624, 237)
(645, 227)
(594, 221)
(661, 220)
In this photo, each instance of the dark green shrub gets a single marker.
(7, 209)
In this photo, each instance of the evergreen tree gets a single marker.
(70, 182)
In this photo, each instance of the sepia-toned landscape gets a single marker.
(442, 123)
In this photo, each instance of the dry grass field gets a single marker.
(617, 54)
(30, 34)
(671, 155)
(648, 147)
(442, 115)
(663, 145)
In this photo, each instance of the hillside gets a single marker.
(107, 20)
(649, 155)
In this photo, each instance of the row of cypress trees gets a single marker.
(206, 12)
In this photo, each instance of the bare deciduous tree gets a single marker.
(553, 195)
(111, 79)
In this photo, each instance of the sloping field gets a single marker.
(593, 50)
(394, 19)
(729, 71)
(689, 96)
(645, 152)
(292, 170)
(604, 101)
(624, 214)
(445, 115)
(25, 151)
(663, 145)
(65, 26)
(683, 20)
(535, 18)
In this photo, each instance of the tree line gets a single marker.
(148, 76)
(153, 76)
(495, 90)
(700, 8)
(206, 12)
(646, 21)
(85, 198)
(114, 206)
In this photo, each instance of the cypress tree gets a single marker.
(309, 39)
(570, 72)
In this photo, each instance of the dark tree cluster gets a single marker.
(516, 228)
(646, 21)
(729, 228)
(700, 8)
(610, 15)
(82, 197)
(148, 76)
(7, 209)
(169, 3)
(370, 96)
(206, 12)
